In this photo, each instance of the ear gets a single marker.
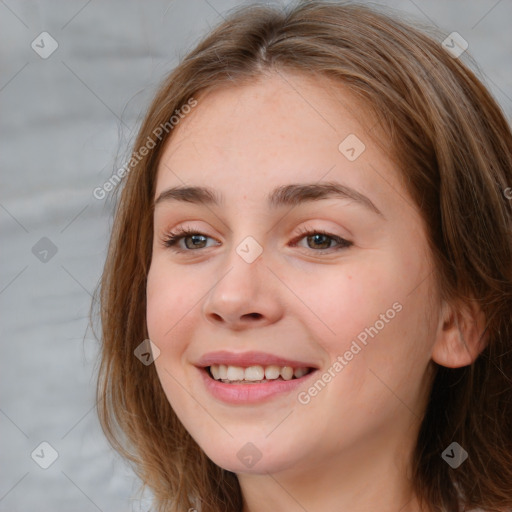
(461, 335)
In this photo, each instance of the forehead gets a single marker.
(284, 128)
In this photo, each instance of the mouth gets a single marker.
(238, 388)
(243, 378)
(256, 374)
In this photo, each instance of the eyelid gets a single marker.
(173, 237)
(343, 243)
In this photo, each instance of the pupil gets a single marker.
(195, 238)
(318, 239)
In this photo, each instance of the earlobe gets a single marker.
(461, 335)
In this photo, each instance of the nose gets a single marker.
(246, 295)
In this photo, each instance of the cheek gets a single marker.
(378, 304)
(170, 304)
(169, 300)
(341, 302)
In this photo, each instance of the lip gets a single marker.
(240, 394)
(246, 359)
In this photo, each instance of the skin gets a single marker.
(349, 447)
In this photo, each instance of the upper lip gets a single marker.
(249, 359)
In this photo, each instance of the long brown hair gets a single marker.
(453, 147)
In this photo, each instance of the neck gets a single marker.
(372, 478)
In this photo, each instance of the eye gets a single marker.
(173, 239)
(321, 240)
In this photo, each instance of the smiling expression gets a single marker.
(269, 236)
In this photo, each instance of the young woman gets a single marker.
(314, 231)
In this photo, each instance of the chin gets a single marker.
(247, 458)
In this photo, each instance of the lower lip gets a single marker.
(250, 393)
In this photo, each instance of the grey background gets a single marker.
(65, 126)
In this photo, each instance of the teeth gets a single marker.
(272, 372)
(256, 373)
(300, 372)
(287, 372)
(214, 369)
(235, 373)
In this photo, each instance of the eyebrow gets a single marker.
(285, 195)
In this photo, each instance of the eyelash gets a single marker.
(172, 239)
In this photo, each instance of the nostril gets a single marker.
(254, 315)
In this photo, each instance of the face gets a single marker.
(308, 253)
